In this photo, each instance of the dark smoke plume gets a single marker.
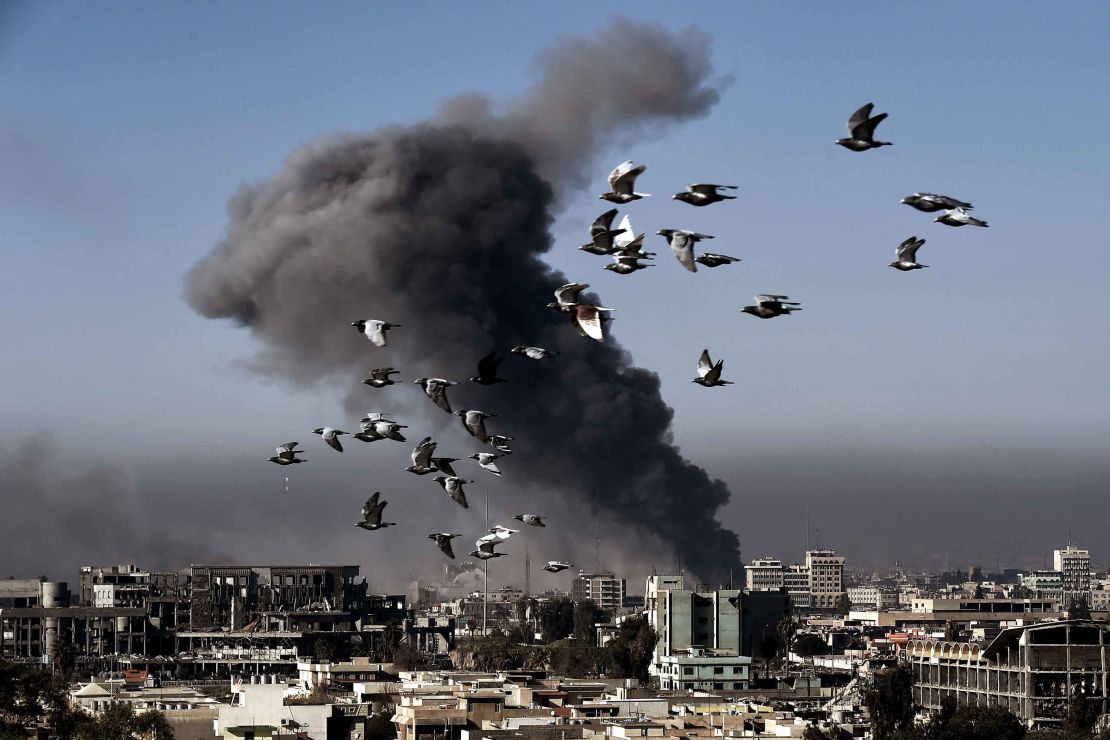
(441, 228)
(56, 516)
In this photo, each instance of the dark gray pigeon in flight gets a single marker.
(709, 259)
(861, 130)
(287, 455)
(372, 514)
(487, 370)
(379, 377)
(931, 202)
(702, 194)
(443, 542)
(907, 255)
(709, 373)
(768, 306)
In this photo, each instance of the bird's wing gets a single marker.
(719, 257)
(422, 455)
(374, 518)
(287, 447)
(438, 394)
(619, 171)
(334, 443)
(907, 250)
(603, 222)
(859, 117)
(488, 546)
(443, 464)
(624, 184)
(487, 366)
(866, 130)
(705, 188)
(704, 363)
(445, 547)
(622, 240)
(683, 249)
(714, 373)
(569, 292)
(770, 298)
(588, 319)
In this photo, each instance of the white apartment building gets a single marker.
(872, 597)
(700, 669)
(1074, 566)
(765, 574)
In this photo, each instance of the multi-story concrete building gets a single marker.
(826, 578)
(1074, 566)
(872, 597)
(699, 669)
(765, 574)
(604, 589)
(1045, 584)
(795, 579)
(683, 618)
(232, 596)
(1033, 671)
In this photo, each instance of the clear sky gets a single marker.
(960, 412)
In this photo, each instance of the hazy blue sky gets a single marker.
(961, 411)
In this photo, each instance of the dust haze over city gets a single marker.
(198, 203)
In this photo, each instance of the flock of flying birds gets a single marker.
(626, 251)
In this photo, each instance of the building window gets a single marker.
(687, 671)
(718, 670)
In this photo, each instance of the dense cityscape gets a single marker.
(466, 371)
(806, 650)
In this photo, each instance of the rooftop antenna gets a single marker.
(807, 529)
(527, 572)
(485, 574)
(597, 531)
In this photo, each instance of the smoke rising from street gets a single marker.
(441, 228)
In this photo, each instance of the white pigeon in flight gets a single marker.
(959, 217)
(453, 486)
(474, 422)
(682, 245)
(485, 551)
(532, 353)
(534, 520)
(374, 330)
(331, 436)
(622, 181)
(486, 461)
(554, 566)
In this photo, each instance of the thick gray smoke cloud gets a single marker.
(441, 228)
(57, 516)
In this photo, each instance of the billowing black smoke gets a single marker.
(441, 228)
